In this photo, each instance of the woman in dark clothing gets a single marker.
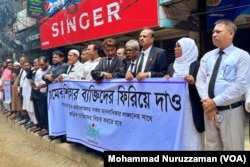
(186, 66)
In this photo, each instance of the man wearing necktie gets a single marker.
(222, 80)
(153, 61)
(111, 66)
(132, 52)
(75, 68)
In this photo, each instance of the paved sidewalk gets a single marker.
(81, 155)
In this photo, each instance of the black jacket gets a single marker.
(197, 109)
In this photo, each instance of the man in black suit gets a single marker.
(132, 52)
(111, 66)
(153, 61)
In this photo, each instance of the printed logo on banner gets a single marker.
(92, 131)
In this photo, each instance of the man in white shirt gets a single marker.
(40, 102)
(93, 51)
(75, 66)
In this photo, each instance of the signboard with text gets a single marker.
(236, 10)
(95, 19)
(35, 8)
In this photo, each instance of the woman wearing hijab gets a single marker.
(186, 66)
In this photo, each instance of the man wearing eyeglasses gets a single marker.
(132, 51)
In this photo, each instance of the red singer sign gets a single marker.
(94, 19)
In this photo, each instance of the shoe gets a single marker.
(25, 121)
(13, 116)
(21, 122)
(53, 137)
(43, 132)
(8, 114)
(28, 123)
(29, 126)
(63, 138)
(33, 127)
(36, 130)
(6, 111)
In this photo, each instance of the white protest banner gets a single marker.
(7, 91)
(119, 115)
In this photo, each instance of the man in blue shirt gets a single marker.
(222, 81)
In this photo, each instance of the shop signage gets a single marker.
(236, 10)
(164, 1)
(53, 6)
(179, 15)
(35, 8)
(95, 19)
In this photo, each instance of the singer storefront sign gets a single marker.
(96, 19)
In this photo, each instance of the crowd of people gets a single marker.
(216, 85)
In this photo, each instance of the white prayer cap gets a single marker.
(76, 52)
(17, 64)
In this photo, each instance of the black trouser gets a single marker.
(40, 105)
(36, 110)
(43, 109)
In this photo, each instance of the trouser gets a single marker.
(43, 110)
(6, 106)
(37, 107)
(229, 134)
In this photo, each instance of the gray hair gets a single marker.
(133, 43)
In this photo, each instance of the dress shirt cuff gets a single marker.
(65, 76)
(149, 74)
(218, 100)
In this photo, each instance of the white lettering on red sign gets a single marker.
(70, 25)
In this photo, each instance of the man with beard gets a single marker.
(40, 97)
(26, 93)
(59, 67)
(74, 70)
(16, 102)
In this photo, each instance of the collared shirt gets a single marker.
(6, 76)
(233, 78)
(146, 54)
(74, 72)
(38, 78)
(88, 67)
(132, 64)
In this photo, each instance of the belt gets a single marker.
(233, 105)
